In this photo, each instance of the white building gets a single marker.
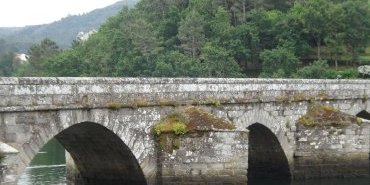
(21, 57)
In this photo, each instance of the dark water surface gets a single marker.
(316, 182)
(48, 168)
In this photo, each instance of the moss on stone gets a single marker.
(169, 142)
(139, 103)
(2, 157)
(300, 96)
(113, 105)
(198, 119)
(213, 101)
(191, 119)
(85, 101)
(166, 102)
(324, 115)
(359, 121)
(184, 120)
(171, 124)
(134, 104)
(365, 97)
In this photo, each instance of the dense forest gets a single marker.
(215, 38)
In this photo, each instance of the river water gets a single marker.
(48, 168)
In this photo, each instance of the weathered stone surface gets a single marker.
(34, 110)
(332, 152)
(206, 156)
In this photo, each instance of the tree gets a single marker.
(218, 62)
(6, 64)
(176, 64)
(39, 54)
(221, 26)
(290, 32)
(357, 26)
(279, 63)
(143, 36)
(315, 16)
(336, 28)
(191, 33)
(216, 38)
(68, 63)
(245, 44)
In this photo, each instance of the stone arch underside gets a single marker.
(100, 156)
(274, 123)
(266, 158)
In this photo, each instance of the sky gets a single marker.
(15, 13)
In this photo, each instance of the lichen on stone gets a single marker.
(325, 115)
(185, 120)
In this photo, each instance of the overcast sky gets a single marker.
(32, 12)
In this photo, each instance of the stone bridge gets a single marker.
(106, 125)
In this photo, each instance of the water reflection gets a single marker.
(364, 181)
(47, 168)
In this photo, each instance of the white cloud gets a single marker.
(32, 12)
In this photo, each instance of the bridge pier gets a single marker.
(197, 159)
(8, 167)
(73, 175)
(332, 152)
(213, 157)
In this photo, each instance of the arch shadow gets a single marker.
(266, 158)
(100, 156)
(364, 115)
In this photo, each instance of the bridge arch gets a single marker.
(100, 155)
(104, 149)
(266, 158)
(278, 125)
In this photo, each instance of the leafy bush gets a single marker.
(317, 70)
(279, 63)
(348, 73)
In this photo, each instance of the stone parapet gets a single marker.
(29, 94)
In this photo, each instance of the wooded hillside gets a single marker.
(222, 38)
